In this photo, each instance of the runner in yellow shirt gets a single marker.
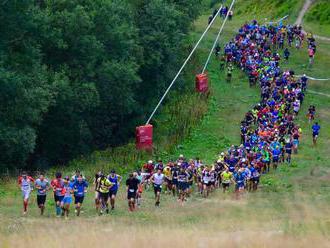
(104, 186)
(227, 178)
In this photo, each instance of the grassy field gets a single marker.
(317, 20)
(291, 209)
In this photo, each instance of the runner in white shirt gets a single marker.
(206, 179)
(157, 179)
(25, 182)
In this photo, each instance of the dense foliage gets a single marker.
(76, 75)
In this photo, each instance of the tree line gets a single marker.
(79, 75)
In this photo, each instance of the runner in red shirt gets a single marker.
(25, 182)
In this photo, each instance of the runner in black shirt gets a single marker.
(132, 184)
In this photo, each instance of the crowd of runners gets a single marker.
(269, 136)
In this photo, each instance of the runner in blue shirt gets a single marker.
(276, 156)
(239, 178)
(316, 130)
(80, 189)
(66, 201)
(115, 179)
(42, 185)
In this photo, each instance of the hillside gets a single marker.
(290, 208)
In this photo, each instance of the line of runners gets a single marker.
(268, 137)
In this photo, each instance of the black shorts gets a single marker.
(208, 184)
(225, 185)
(78, 199)
(288, 151)
(175, 182)
(168, 181)
(113, 192)
(104, 196)
(58, 198)
(275, 160)
(131, 194)
(41, 199)
(256, 180)
(157, 188)
(182, 186)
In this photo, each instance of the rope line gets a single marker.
(279, 20)
(182, 67)
(318, 93)
(218, 36)
(315, 79)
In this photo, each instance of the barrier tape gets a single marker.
(315, 79)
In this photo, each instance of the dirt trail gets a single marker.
(301, 15)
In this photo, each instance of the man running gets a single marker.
(288, 150)
(80, 189)
(239, 177)
(157, 179)
(168, 179)
(206, 179)
(97, 193)
(132, 184)
(115, 179)
(316, 130)
(276, 152)
(230, 69)
(67, 199)
(58, 186)
(182, 184)
(104, 186)
(25, 182)
(226, 178)
(42, 186)
(140, 188)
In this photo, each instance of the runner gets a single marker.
(168, 178)
(239, 178)
(311, 54)
(255, 176)
(206, 179)
(182, 184)
(132, 184)
(58, 187)
(288, 151)
(157, 179)
(104, 186)
(175, 174)
(80, 189)
(42, 185)
(25, 182)
(140, 188)
(230, 69)
(97, 193)
(286, 54)
(115, 179)
(230, 15)
(311, 113)
(316, 130)
(276, 152)
(67, 199)
(226, 177)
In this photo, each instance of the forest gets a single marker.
(79, 75)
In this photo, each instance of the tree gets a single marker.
(25, 86)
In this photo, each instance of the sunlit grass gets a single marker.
(291, 209)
